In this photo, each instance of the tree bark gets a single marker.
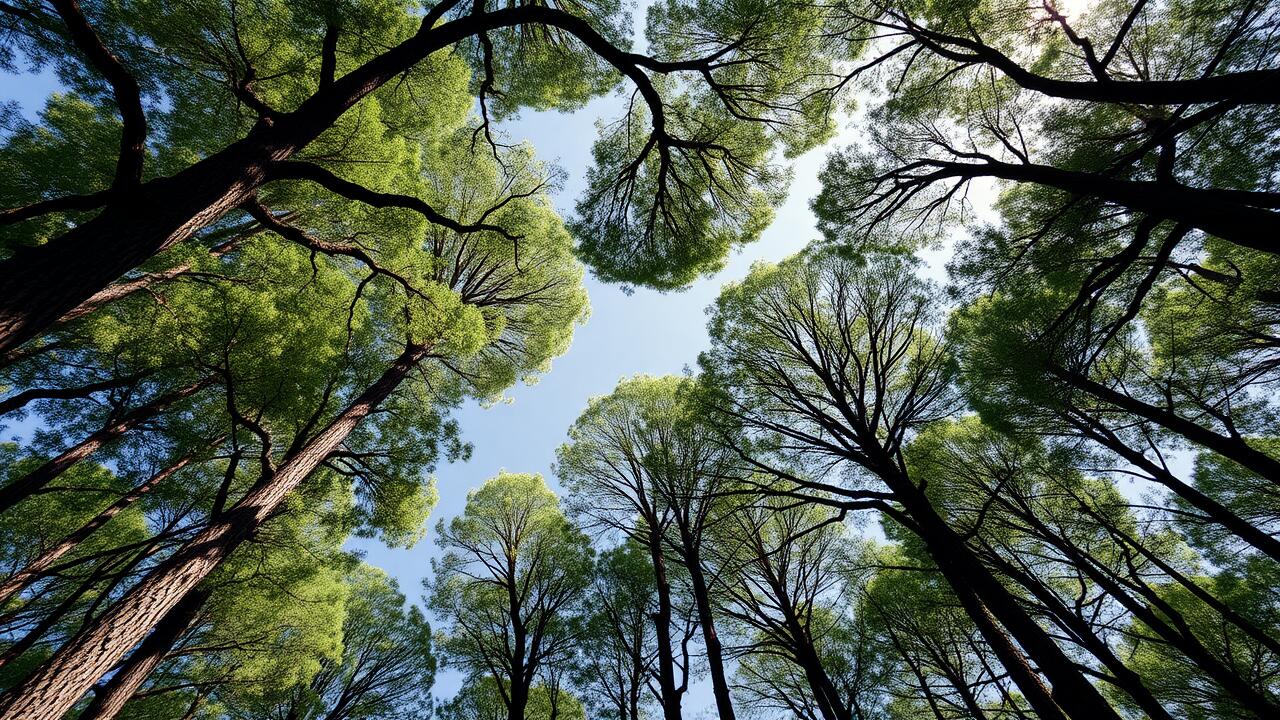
(111, 699)
(26, 486)
(57, 684)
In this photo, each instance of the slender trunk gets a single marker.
(519, 701)
(824, 691)
(670, 695)
(24, 577)
(1122, 676)
(715, 651)
(521, 674)
(1231, 447)
(56, 685)
(26, 486)
(988, 601)
(111, 699)
(1175, 632)
(1216, 512)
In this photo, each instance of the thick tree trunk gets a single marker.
(29, 574)
(44, 283)
(706, 619)
(111, 699)
(26, 486)
(56, 685)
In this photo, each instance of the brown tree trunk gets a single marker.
(125, 288)
(111, 699)
(26, 486)
(24, 577)
(57, 684)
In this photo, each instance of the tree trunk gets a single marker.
(1217, 512)
(671, 698)
(1175, 631)
(715, 652)
(111, 699)
(1122, 676)
(57, 684)
(26, 486)
(24, 577)
(988, 601)
(1232, 448)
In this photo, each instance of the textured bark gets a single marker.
(111, 699)
(27, 485)
(56, 685)
(29, 574)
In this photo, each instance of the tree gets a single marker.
(281, 80)
(823, 358)
(640, 462)
(508, 589)
(385, 670)
(787, 568)
(619, 651)
(1058, 103)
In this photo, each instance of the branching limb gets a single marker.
(128, 95)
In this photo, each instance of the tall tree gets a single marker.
(508, 589)
(824, 357)
(639, 462)
(460, 314)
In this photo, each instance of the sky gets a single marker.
(644, 332)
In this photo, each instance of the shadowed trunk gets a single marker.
(111, 699)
